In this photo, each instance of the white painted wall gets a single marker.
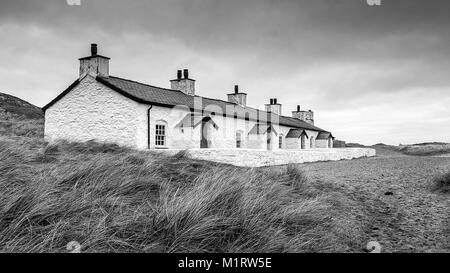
(93, 111)
(259, 158)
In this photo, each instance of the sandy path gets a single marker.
(412, 219)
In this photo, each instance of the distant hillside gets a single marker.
(19, 108)
(20, 118)
(434, 148)
(419, 149)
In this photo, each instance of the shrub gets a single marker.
(441, 183)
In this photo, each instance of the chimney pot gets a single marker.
(93, 49)
(236, 89)
(274, 107)
(185, 85)
(298, 108)
(94, 65)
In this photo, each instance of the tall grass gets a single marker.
(113, 199)
(13, 125)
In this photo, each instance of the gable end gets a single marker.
(60, 96)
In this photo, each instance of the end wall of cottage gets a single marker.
(92, 111)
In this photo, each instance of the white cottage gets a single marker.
(98, 106)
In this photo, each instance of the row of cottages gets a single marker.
(98, 106)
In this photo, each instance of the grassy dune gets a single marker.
(421, 149)
(113, 199)
(426, 149)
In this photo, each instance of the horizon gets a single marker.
(371, 74)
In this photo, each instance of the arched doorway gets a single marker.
(303, 142)
(207, 126)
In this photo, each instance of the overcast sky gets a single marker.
(370, 73)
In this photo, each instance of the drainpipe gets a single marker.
(148, 126)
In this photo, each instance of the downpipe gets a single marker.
(148, 126)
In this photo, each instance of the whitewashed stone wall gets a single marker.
(322, 143)
(293, 143)
(91, 111)
(259, 158)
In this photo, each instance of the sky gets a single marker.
(372, 74)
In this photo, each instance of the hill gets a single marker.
(425, 149)
(20, 118)
(19, 108)
(419, 149)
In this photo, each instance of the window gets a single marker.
(312, 142)
(238, 139)
(160, 135)
(280, 142)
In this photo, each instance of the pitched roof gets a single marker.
(261, 129)
(296, 133)
(324, 135)
(193, 120)
(149, 94)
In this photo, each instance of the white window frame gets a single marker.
(161, 134)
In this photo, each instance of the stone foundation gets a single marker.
(260, 158)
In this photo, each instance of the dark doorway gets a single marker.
(205, 134)
(303, 142)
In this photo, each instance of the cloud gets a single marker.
(326, 55)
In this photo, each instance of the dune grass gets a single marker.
(114, 199)
(14, 125)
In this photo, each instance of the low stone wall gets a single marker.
(260, 158)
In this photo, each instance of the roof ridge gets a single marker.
(146, 84)
(226, 102)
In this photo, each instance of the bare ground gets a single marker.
(398, 208)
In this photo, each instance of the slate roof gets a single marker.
(324, 135)
(296, 133)
(193, 120)
(153, 95)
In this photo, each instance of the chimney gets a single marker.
(307, 116)
(184, 84)
(274, 107)
(93, 49)
(94, 65)
(237, 97)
